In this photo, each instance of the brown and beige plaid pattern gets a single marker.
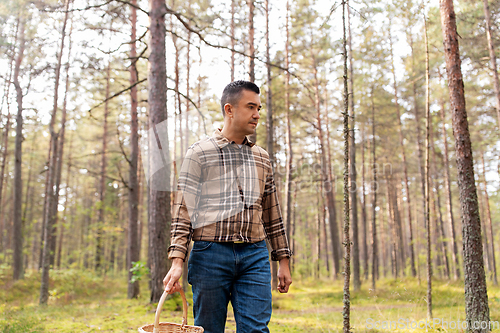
(226, 193)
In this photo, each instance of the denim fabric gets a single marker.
(223, 272)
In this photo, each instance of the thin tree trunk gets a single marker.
(5, 136)
(327, 180)
(493, 59)
(233, 39)
(363, 205)
(159, 201)
(251, 51)
(419, 148)
(52, 176)
(374, 199)
(270, 127)
(405, 164)
(133, 185)
(489, 227)
(18, 184)
(449, 205)
(427, 169)
(251, 41)
(346, 311)
(356, 280)
(99, 257)
(476, 297)
(289, 150)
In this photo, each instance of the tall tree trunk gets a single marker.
(449, 205)
(270, 127)
(427, 171)
(60, 153)
(356, 280)
(405, 164)
(2, 173)
(159, 201)
(18, 184)
(374, 198)
(133, 184)
(363, 205)
(346, 311)
(493, 59)
(489, 230)
(251, 41)
(52, 175)
(326, 178)
(476, 297)
(289, 150)
(5, 136)
(251, 51)
(419, 147)
(99, 253)
(233, 38)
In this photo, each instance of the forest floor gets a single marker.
(83, 302)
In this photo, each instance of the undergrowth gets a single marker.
(84, 302)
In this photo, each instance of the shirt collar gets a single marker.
(222, 141)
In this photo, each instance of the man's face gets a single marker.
(245, 114)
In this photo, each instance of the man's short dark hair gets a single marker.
(232, 92)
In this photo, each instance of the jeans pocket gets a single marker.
(201, 245)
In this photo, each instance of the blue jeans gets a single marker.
(223, 272)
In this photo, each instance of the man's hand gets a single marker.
(284, 276)
(171, 280)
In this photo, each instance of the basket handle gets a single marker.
(160, 305)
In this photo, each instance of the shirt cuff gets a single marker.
(280, 254)
(174, 252)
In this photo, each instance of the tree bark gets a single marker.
(159, 201)
(493, 59)
(18, 184)
(346, 311)
(476, 297)
(133, 184)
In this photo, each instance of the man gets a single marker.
(227, 203)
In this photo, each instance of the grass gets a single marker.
(83, 302)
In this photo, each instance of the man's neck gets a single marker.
(232, 136)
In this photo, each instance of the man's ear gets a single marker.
(228, 110)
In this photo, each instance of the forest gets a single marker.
(381, 119)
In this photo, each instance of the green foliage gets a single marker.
(313, 305)
(139, 269)
(13, 322)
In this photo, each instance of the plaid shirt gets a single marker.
(226, 193)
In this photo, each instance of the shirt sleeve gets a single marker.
(185, 201)
(273, 221)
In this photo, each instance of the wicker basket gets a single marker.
(158, 327)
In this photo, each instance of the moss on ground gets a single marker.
(83, 302)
